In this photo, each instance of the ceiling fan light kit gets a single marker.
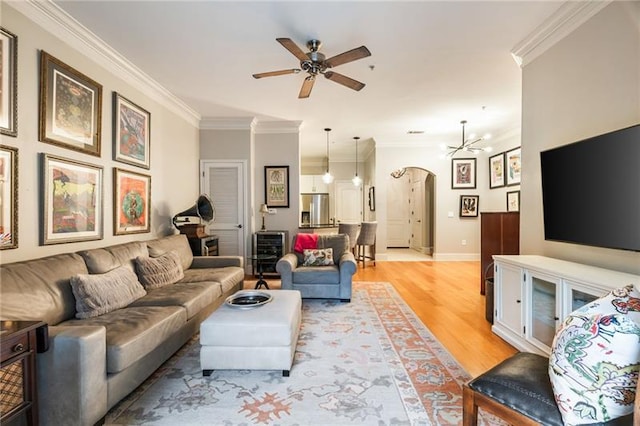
(468, 145)
(315, 63)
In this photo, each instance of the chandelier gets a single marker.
(468, 145)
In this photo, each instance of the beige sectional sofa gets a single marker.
(92, 363)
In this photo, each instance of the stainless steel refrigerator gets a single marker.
(315, 209)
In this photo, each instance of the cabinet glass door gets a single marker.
(543, 309)
(577, 295)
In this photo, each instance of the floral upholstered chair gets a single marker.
(320, 267)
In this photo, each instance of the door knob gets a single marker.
(239, 226)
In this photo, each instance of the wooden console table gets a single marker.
(18, 386)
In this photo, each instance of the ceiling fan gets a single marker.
(467, 145)
(314, 63)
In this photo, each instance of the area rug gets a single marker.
(368, 362)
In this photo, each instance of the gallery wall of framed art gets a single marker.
(74, 118)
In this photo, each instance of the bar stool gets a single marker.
(351, 229)
(366, 238)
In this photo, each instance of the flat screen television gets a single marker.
(591, 191)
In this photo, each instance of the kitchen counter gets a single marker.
(318, 229)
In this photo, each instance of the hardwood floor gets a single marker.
(446, 297)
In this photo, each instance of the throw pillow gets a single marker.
(159, 271)
(595, 359)
(318, 257)
(99, 294)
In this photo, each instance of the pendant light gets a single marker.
(327, 178)
(356, 179)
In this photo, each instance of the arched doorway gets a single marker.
(411, 210)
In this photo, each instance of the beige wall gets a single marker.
(174, 145)
(259, 150)
(585, 85)
(279, 149)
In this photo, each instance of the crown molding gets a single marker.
(265, 127)
(227, 123)
(53, 19)
(564, 21)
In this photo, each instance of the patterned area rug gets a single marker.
(368, 362)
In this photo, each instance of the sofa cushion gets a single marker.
(194, 297)
(178, 243)
(156, 272)
(316, 275)
(133, 332)
(102, 260)
(44, 283)
(339, 243)
(227, 277)
(102, 293)
(595, 359)
(318, 257)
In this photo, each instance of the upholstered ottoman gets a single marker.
(260, 338)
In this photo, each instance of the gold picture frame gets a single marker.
(131, 132)
(8, 83)
(70, 107)
(131, 202)
(8, 197)
(72, 201)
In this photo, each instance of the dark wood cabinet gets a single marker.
(499, 234)
(204, 245)
(18, 386)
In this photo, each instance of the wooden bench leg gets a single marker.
(469, 407)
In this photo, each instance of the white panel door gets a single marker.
(223, 181)
(348, 202)
(398, 230)
(416, 215)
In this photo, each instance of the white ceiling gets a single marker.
(433, 63)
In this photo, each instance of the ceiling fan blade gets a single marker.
(275, 73)
(344, 80)
(349, 56)
(292, 47)
(307, 85)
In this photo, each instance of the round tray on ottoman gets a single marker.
(248, 299)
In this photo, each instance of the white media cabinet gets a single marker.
(533, 294)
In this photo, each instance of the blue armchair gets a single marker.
(320, 282)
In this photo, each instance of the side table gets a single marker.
(258, 260)
(18, 386)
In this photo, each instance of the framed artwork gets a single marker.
(496, 171)
(131, 202)
(276, 186)
(131, 132)
(513, 166)
(513, 201)
(70, 107)
(463, 173)
(372, 198)
(8, 197)
(469, 205)
(72, 201)
(8, 83)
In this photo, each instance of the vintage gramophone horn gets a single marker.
(203, 209)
